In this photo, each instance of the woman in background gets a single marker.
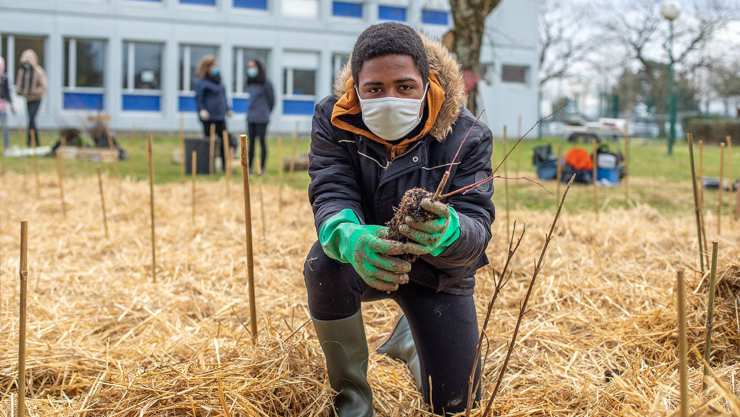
(210, 98)
(261, 103)
(5, 104)
(31, 84)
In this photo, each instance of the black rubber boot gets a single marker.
(345, 349)
(400, 345)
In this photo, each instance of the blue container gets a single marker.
(608, 174)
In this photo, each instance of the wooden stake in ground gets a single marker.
(211, 148)
(697, 205)
(626, 163)
(730, 166)
(262, 211)
(34, 163)
(21, 410)
(506, 185)
(720, 190)
(700, 175)
(683, 370)
(595, 176)
(226, 159)
(281, 177)
(710, 311)
(248, 238)
(102, 203)
(193, 170)
(60, 176)
(150, 159)
(294, 147)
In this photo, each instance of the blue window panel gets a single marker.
(435, 17)
(298, 107)
(83, 101)
(251, 4)
(346, 9)
(392, 13)
(199, 2)
(239, 105)
(186, 104)
(140, 102)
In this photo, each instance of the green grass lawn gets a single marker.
(657, 179)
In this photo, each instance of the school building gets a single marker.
(136, 59)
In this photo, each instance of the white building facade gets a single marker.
(136, 59)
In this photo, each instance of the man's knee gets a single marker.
(329, 284)
(318, 265)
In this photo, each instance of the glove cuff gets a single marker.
(333, 234)
(451, 234)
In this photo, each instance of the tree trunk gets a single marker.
(469, 18)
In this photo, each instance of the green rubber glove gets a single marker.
(434, 235)
(374, 259)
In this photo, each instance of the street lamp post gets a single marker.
(670, 10)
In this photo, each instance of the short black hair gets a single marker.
(389, 39)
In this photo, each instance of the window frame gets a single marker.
(527, 74)
(70, 54)
(185, 66)
(130, 81)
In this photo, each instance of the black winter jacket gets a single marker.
(351, 171)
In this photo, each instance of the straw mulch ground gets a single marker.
(599, 340)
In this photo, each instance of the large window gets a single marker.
(189, 57)
(301, 8)
(299, 82)
(515, 73)
(142, 71)
(84, 73)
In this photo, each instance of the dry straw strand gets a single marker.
(710, 310)
(102, 203)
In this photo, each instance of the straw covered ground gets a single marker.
(103, 340)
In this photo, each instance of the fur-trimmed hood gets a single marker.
(447, 71)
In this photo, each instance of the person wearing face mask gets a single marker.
(211, 103)
(395, 122)
(261, 103)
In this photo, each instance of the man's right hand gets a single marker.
(376, 260)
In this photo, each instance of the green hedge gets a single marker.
(713, 130)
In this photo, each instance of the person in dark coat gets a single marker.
(395, 123)
(211, 102)
(261, 103)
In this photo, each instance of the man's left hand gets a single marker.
(433, 235)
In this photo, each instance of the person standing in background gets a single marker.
(5, 103)
(30, 82)
(261, 103)
(210, 98)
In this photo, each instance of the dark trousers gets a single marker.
(257, 131)
(32, 108)
(444, 326)
(219, 127)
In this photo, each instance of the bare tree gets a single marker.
(638, 27)
(469, 18)
(566, 40)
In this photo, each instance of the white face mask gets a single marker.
(391, 118)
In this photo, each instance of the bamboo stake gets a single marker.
(626, 164)
(34, 163)
(193, 168)
(21, 410)
(102, 203)
(506, 186)
(683, 372)
(211, 148)
(700, 174)
(697, 204)
(730, 166)
(710, 311)
(262, 211)
(248, 238)
(282, 177)
(150, 158)
(737, 203)
(558, 172)
(182, 143)
(294, 149)
(595, 176)
(227, 162)
(60, 176)
(720, 190)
